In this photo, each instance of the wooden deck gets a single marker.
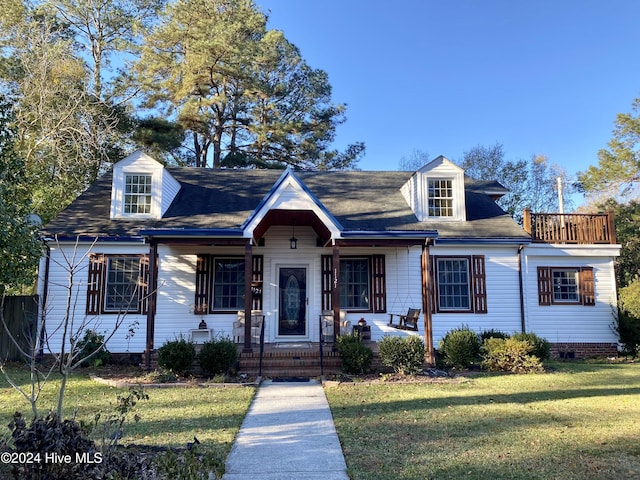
(570, 228)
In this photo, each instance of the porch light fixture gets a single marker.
(293, 241)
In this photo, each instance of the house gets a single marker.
(175, 247)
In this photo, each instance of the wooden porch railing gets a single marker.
(575, 228)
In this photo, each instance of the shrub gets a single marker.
(629, 298)
(460, 347)
(356, 357)
(404, 355)
(218, 356)
(492, 334)
(91, 342)
(541, 347)
(177, 355)
(627, 327)
(509, 355)
(48, 436)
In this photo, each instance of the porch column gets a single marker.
(152, 292)
(335, 292)
(429, 356)
(248, 301)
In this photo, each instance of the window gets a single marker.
(453, 284)
(566, 286)
(117, 283)
(440, 197)
(362, 283)
(228, 284)
(354, 284)
(137, 194)
(220, 284)
(458, 284)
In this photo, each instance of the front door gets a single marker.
(292, 283)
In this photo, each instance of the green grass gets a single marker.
(170, 418)
(579, 422)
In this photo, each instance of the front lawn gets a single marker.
(171, 417)
(578, 422)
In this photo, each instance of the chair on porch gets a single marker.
(406, 322)
(257, 318)
(327, 324)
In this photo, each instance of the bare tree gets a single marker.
(414, 161)
(61, 336)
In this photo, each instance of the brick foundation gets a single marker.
(583, 350)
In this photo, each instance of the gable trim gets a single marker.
(268, 203)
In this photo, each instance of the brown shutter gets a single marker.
(432, 284)
(545, 286)
(327, 276)
(587, 286)
(143, 284)
(95, 284)
(204, 272)
(479, 284)
(257, 278)
(379, 284)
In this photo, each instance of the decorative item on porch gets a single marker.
(200, 309)
(202, 325)
(362, 322)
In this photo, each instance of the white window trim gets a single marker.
(118, 193)
(457, 191)
(138, 195)
(576, 272)
(132, 305)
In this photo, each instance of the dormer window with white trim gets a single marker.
(141, 188)
(440, 197)
(436, 192)
(137, 194)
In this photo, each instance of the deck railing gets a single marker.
(575, 228)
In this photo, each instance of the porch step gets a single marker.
(303, 363)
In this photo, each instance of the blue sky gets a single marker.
(541, 77)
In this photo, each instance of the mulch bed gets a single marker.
(123, 377)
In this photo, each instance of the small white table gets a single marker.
(201, 335)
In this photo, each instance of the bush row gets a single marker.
(494, 350)
(217, 356)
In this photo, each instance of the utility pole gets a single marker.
(560, 196)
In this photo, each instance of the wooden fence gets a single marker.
(21, 316)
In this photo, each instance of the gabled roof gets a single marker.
(359, 201)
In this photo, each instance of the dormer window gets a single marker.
(440, 197)
(436, 192)
(141, 188)
(137, 194)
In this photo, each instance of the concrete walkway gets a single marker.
(288, 433)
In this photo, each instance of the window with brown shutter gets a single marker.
(372, 283)
(458, 284)
(117, 284)
(227, 293)
(566, 286)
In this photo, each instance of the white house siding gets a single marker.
(503, 297)
(572, 323)
(404, 290)
(57, 297)
(176, 294)
(170, 188)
